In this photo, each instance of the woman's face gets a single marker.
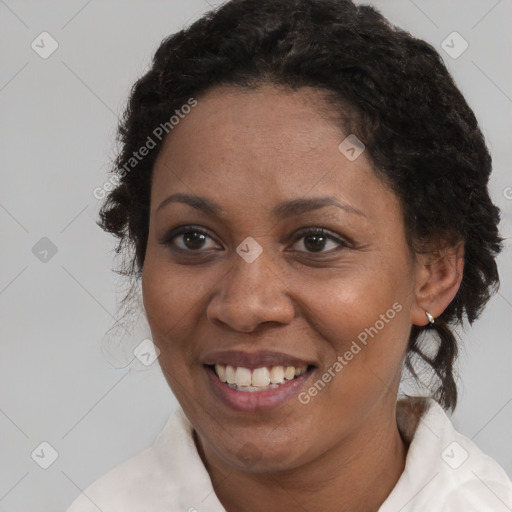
(247, 284)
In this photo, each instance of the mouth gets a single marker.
(258, 379)
(256, 389)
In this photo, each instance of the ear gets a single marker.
(438, 278)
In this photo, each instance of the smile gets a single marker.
(256, 390)
(257, 379)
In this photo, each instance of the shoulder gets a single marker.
(143, 480)
(444, 469)
(124, 488)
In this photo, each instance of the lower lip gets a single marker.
(256, 401)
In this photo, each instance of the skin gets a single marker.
(248, 151)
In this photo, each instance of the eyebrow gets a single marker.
(280, 211)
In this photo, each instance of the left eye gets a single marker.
(315, 240)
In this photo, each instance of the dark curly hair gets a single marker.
(421, 136)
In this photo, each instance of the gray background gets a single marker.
(63, 378)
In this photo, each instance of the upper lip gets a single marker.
(259, 359)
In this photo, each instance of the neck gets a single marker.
(355, 475)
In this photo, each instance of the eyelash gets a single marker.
(168, 239)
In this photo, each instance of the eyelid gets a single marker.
(295, 237)
(175, 232)
(312, 230)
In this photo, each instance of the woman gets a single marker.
(305, 192)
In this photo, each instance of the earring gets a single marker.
(430, 318)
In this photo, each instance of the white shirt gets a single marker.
(444, 471)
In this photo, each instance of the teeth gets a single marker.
(242, 377)
(230, 374)
(259, 379)
(277, 374)
(221, 372)
(289, 372)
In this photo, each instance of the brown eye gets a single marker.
(190, 238)
(315, 241)
(193, 240)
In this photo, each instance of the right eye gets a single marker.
(192, 239)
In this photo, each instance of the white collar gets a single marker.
(444, 471)
(439, 461)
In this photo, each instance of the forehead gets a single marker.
(261, 146)
(242, 123)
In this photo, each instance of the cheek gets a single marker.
(170, 304)
(172, 293)
(362, 322)
(347, 302)
(175, 300)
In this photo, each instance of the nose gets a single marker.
(251, 294)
